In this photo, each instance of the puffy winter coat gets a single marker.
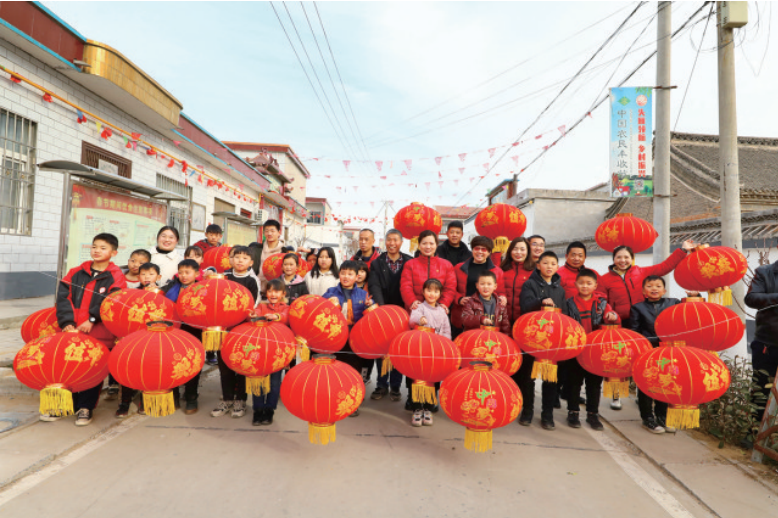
(354, 307)
(763, 296)
(454, 255)
(460, 272)
(204, 245)
(624, 292)
(473, 315)
(643, 317)
(359, 256)
(295, 289)
(536, 290)
(513, 280)
(281, 310)
(418, 270)
(568, 274)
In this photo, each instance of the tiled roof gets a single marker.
(447, 211)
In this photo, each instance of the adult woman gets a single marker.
(324, 274)
(517, 266)
(165, 254)
(427, 266)
(467, 273)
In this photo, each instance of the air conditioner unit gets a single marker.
(260, 216)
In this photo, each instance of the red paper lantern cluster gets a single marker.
(712, 269)
(373, 334)
(700, 324)
(41, 323)
(488, 344)
(550, 337)
(273, 267)
(413, 219)
(425, 357)
(626, 229)
(218, 258)
(129, 310)
(501, 222)
(610, 352)
(319, 325)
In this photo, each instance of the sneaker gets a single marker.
(547, 423)
(259, 416)
(49, 418)
(191, 407)
(83, 417)
(616, 404)
(652, 426)
(355, 413)
(408, 405)
(663, 423)
(427, 418)
(112, 393)
(238, 408)
(210, 358)
(379, 393)
(417, 418)
(267, 418)
(572, 419)
(525, 419)
(123, 411)
(222, 409)
(394, 395)
(594, 421)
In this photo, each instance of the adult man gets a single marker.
(537, 245)
(575, 255)
(367, 252)
(384, 287)
(453, 249)
(272, 245)
(763, 296)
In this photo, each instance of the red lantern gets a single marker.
(319, 325)
(59, 365)
(700, 324)
(488, 344)
(214, 304)
(501, 223)
(41, 323)
(156, 360)
(610, 352)
(425, 357)
(257, 350)
(129, 310)
(217, 257)
(373, 334)
(273, 266)
(712, 269)
(480, 398)
(627, 230)
(322, 392)
(413, 219)
(684, 377)
(550, 337)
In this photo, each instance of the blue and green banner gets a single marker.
(631, 156)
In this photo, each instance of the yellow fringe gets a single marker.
(305, 353)
(501, 245)
(424, 394)
(544, 371)
(159, 404)
(258, 385)
(212, 340)
(477, 440)
(612, 389)
(56, 401)
(683, 419)
(321, 434)
(722, 298)
(414, 244)
(386, 366)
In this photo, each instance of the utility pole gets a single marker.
(662, 136)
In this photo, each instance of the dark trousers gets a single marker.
(575, 379)
(347, 356)
(270, 400)
(562, 371)
(233, 384)
(87, 398)
(650, 407)
(393, 378)
(456, 331)
(366, 369)
(763, 358)
(523, 379)
(415, 405)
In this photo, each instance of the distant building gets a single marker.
(322, 229)
(449, 214)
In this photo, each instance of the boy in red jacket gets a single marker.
(485, 308)
(79, 297)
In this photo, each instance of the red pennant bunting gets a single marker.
(562, 129)
(408, 164)
(200, 178)
(171, 163)
(438, 159)
(486, 167)
(106, 133)
(379, 164)
(515, 159)
(545, 148)
(15, 79)
(346, 163)
(539, 137)
(176, 142)
(440, 175)
(47, 97)
(428, 185)
(184, 166)
(589, 115)
(136, 136)
(515, 144)
(382, 177)
(491, 151)
(461, 170)
(462, 157)
(150, 151)
(440, 184)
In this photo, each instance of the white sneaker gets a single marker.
(222, 409)
(427, 418)
(238, 408)
(417, 418)
(83, 417)
(49, 418)
(616, 404)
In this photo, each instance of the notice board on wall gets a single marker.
(134, 221)
(239, 234)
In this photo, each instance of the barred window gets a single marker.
(180, 211)
(315, 213)
(17, 178)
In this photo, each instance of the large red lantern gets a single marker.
(322, 392)
(273, 267)
(41, 323)
(684, 377)
(156, 360)
(488, 344)
(425, 357)
(60, 364)
(218, 258)
(258, 349)
(610, 352)
(501, 223)
(373, 334)
(550, 337)
(626, 229)
(712, 269)
(129, 310)
(700, 324)
(319, 325)
(480, 398)
(215, 305)
(413, 219)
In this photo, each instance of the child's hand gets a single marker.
(86, 327)
(548, 302)
(68, 329)
(445, 308)
(611, 316)
(415, 305)
(692, 293)
(503, 300)
(423, 321)
(272, 317)
(688, 245)
(487, 321)
(463, 300)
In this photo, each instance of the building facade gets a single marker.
(322, 229)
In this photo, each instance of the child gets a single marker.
(542, 288)
(276, 311)
(295, 285)
(486, 309)
(149, 274)
(591, 311)
(430, 314)
(213, 237)
(241, 261)
(271, 230)
(362, 274)
(137, 258)
(79, 297)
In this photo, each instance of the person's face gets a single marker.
(148, 277)
(548, 267)
(586, 286)
(290, 267)
(195, 257)
(393, 244)
(454, 236)
(187, 275)
(213, 238)
(654, 290)
(537, 247)
(311, 259)
(272, 234)
(519, 252)
(431, 295)
(366, 241)
(480, 253)
(241, 262)
(102, 251)
(274, 296)
(361, 276)
(167, 241)
(134, 263)
(486, 286)
(575, 257)
(348, 278)
(427, 246)
(623, 260)
(325, 261)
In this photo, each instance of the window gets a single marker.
(180, 211)
(103, 160)
(315, 213)
(245, 213)
(17, 177)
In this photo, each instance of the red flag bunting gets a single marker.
(462, 157)
(184, 166)
(562, 129)
(515, 159)
(379, 164)
(150, 151)
(47, 97)
(408, 164)
(171, 163)
(486, 166)
(461, 170)
(491, 151)
(346, 163)
(438, 159)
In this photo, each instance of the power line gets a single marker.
(691, 73)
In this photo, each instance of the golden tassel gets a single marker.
(159, 404)
(683, 417)
(478, 440)
(501, 245)
(321, 433)
(386, 366)
(722, 297)
(56, 400)
(422, 393)
(414, 244)
(615, 388)
(305, 352)
(258, 385)
(544, 370)
(212, 338)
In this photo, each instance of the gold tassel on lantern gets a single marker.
(501, 245)
(159, 404)
(478, 440)
(615, 387)
(56, 400)
(321, 433)
(423, 392)
(386, 366)
(545, 370)
(258, 385)
(213, 338)
(305, 352)
(683, 417)
(414, 244)
(720, 296)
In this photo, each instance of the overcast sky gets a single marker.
(420, 78)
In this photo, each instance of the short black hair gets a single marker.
(287, 249)
(174, 230)
(482, 241)
(189, 263)
(362, 267)
(576, 244)
(241, 250)
(196, 249)
(112, 240)
(432, 282)
(428, 233)
(368, 230)
(548, 253)
(276, 285)
(149, 266)
(487, 273)
(586, 272)
(272, 223)
(350, 265)
(455, 224)
(213, 229)
(536, 236)
(291, 256)
(143, 252)
(650, 278)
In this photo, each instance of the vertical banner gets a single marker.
(631, 155)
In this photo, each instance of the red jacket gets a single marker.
(568, 275)
(460, 272)
(204, 245)
(473, 315)
(367, 260)
(513, 280)
(623, 293)
(418, 270)
(280, 309)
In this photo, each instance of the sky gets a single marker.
(426, 80)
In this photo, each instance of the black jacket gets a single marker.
(453, 255)
(643, 315)
(82, 291)
(763, 296)
(383, 285)
(597, 314)
(248, 282)
(535, 290)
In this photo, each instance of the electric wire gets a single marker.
(691, 73)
